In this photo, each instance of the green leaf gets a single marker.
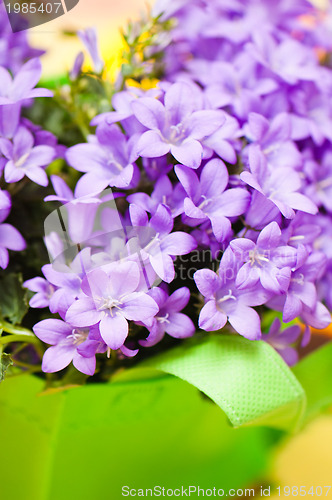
(5, 362)
(314, 372)
(13, 298)
(248, 380)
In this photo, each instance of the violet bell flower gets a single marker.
(177, 126)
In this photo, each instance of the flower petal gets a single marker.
(83, 313)
(246, 322)
(179, 326)
(52, 331)
(151, 145)
(139, 307)
(114, 330)
(210, 319)
(84, 365)
(57, 357)
(189, 153)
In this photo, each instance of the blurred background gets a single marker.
(302, 460)
(106, 15)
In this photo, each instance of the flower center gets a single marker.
(155, 240)
(257, 259)
(163, 319)
(109, 304)
(177, 134)
(299, 280)
(112, 162)
(77, 336)
(20, 162)
(326, 183)
(297, 238)
(225, 298)
(204, 202)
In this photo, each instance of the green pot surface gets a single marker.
(86, 443)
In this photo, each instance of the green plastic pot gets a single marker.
(147, 428)
(88, 442)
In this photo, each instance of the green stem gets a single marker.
(26, 372)
(18, 338)
(20, 364)
(15, 330)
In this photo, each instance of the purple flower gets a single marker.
(224, 141)
(77, 66)
(43, 289)
(5, 205)
(169, 319)
(111, 300)
(89, 39)
(319, 176)
(124, 114)
(77, 345)
(10, 115)
(10, 239)
(311, 114)
(165, 244)
(234, 84)
(21, 87)
(300, 299)
(107, 160)
(81, 208)
(244, 81)
(176, 126)
(289, 60)
(266, 261)
(163, 193)
(260, 213)
(274, 140)
(208, 198)
(281, 340)
(281, 185)
(65, 280)
(25, 159)
(225, 302)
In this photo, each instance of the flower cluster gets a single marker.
(25, 149)
(231, 152)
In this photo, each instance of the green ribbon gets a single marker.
(249, 380)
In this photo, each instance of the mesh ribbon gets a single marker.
(248, 380)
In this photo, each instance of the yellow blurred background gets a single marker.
(304, 460)
(106, 15)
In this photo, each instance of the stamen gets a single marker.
(297, 238)
(77, 337)
(163, 319)
(204, 202)
(151, 243)
(299, 280)
(21, 161)
(325, 183)
(230, 296)
(256, 258)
